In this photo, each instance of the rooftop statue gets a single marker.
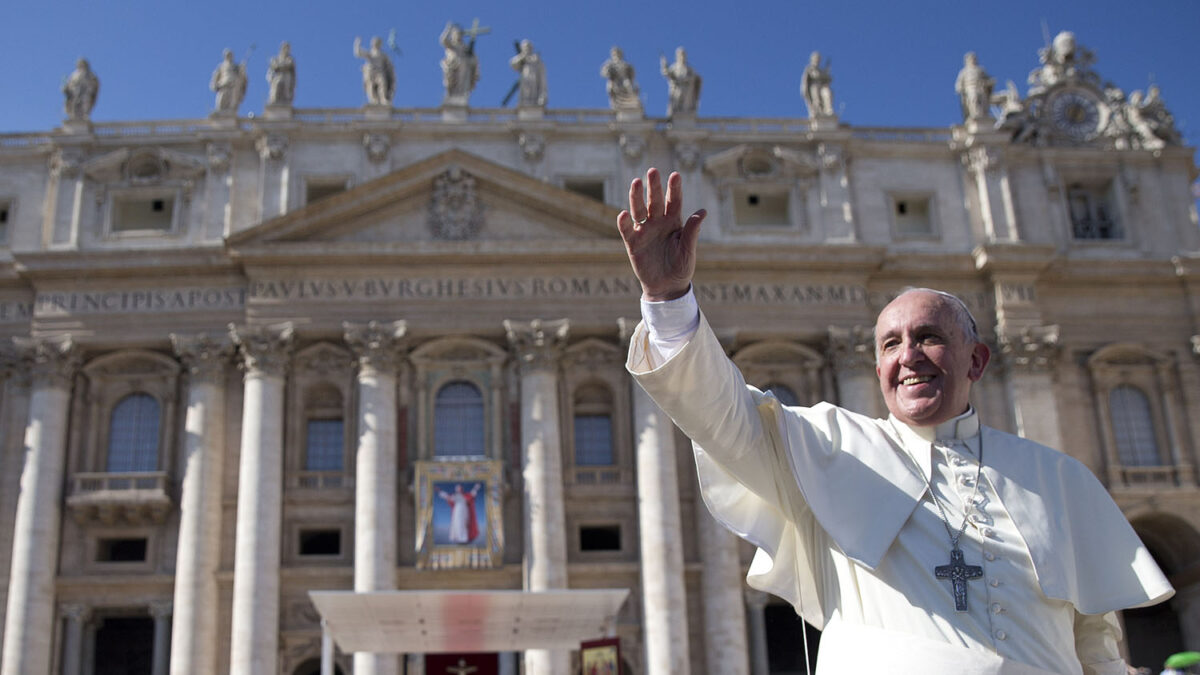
(683, 85)
(281, 77)
(817, 85)
(460, 66)
(974, 88)
(623, 92)
(229, 83)
(81, 88)
(1063, 61)
(379, 79)
(531, 81)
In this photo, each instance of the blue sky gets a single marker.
(894, 62)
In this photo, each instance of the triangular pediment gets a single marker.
(453, 198)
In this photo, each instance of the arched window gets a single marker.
(458, 421)
(593, 426)
(784, 393)
(1133, 427)
(325, 430)
(133, 435)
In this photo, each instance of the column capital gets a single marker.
(852, 348)
(537, 343)
(377, 346)
(53, 360)
(264, 350)
(76, 611)
(160, 609)
(1031, 349)
(204, 355)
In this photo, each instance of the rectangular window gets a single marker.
(317, 189)
(320, 542)
(912, 216)
(137, 214)
(587, 187)
(5, 215)
(593, 440)
(759, 207)
(600, 538)
(1092, 214)
(121, 550)
(324, 442)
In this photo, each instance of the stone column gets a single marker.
(219, 188)
(377, 348)
(77, 616)
(725, 648)
(852, 353)
(161, 611)
(264, 353)
(29, 621)
(193, 649)
(536, 346)
(756, 609)
(14, 413)
(664, 600)
(1030, 356)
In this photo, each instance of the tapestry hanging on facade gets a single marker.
(459, 522)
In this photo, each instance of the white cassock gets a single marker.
(848, 533)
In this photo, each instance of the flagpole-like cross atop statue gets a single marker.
(474, 32)
(958, 572)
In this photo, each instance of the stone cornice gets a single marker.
(1007, 258)
(204, 260)
(537, 343)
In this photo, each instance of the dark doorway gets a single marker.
(466, 664)
(785, 649)
(125, 646)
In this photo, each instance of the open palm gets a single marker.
(661, 246)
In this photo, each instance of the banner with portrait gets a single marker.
(459, 520)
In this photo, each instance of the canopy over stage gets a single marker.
(418, 622)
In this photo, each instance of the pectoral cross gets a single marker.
(462, 669)
(958, 572)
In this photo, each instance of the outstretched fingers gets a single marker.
(637, 200)
(674, 196)
(655, 206)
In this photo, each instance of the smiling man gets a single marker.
(921, 543)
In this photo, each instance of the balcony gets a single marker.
(111, 498)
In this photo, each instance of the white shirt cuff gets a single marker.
(671, 323)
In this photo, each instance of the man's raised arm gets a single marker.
(660, 244)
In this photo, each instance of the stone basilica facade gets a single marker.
(382, 349)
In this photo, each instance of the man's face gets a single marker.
(925, 362)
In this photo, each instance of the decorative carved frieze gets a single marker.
(271, 146)
(376, 345)
(537, 344)
(204, 355)
(455, 209)
(632, 147)
(219, 156)
(377, 146)
(53, 361)
(264, 350)
(687, 155)
(533, 146)
(981, 159)
(852, 348)
(1034, 348)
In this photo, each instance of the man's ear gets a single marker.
(980, 355)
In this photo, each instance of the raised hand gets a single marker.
(661, 246)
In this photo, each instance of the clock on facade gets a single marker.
(1077, 113)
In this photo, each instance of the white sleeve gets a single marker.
(1096, 638)
(670, 324)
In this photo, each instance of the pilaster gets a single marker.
(161, 613)
(264, 354)
(725, 646)
(77, 616)
(1030, 356)
(536, 346)
(756, 610)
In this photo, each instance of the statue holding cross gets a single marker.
(460, 66)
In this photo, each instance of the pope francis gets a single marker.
(923, 543)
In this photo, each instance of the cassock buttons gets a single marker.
(1001, 635)
(996, 608)
(994, 583)
(989, 555)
